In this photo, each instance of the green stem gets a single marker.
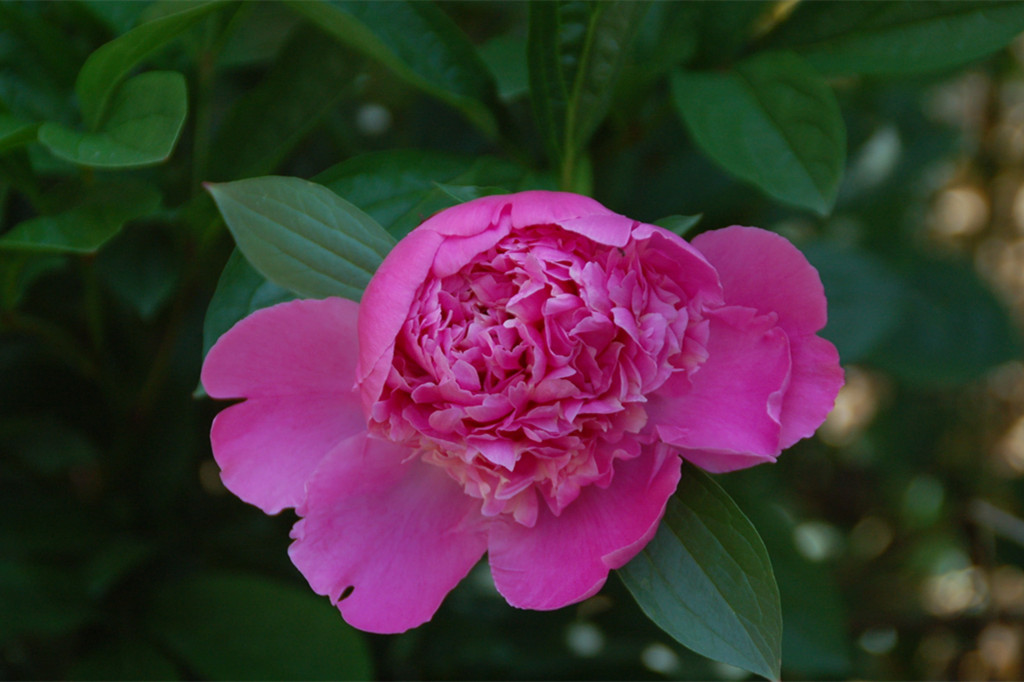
(567, 177)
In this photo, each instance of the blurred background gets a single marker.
(897, 533)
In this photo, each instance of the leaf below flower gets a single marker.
(706, 579)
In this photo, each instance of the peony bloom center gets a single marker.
(520, 373)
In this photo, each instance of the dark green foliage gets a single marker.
(324, 132)
(706, 579)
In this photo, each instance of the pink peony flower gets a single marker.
(521, 378)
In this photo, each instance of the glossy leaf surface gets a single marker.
(894, 38)
(145, 120)
(107, 66)
(302, 236)
(575, 53)
(100, 214)
(706, 579)
(399, 188)
(771, 121)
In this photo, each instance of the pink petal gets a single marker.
(565, 559)
(672, 253)
(536, 207)
(763, 271)
(731, 405)
(553, 208)
(813, 386)
(295, 364)
(388, 297)
(267, 448)
(608, 229)
(298, 347)
(400, 533)
(475, 226)
(717, 462)
(455, 252)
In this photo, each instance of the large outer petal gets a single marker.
(295, 365)
(764, 271)
(385, 305)
(536, 207)
(730, 407)
(565, 559)
(400, 532)
(813, 386)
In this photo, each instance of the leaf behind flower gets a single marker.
(771, 121)
(302, 236)
(680, 224)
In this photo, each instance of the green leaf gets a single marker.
(505, 56)
(146, 117)
(575, 53)
(258, 33)
(240, 292)
(419, 44)
(15, 132)
(120, 16)
(865, 298)
(126, 658)
(706, 579)
(399, 188)
(18, 271)
(98, 215)
(141, 267)
(724, 29)
(815, 640)
(306, 81)
(952, 328)
(302, 236)
(39, 600)
(898, 38)
(680, 224)
(771, 121)
(244, 627)
(460, 194)
(105, 68)
(667, 37)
